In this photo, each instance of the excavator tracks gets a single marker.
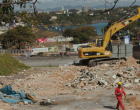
(95, 62)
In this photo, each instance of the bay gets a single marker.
(97, 25)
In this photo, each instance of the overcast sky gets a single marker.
(44, 4)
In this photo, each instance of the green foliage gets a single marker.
(18, 36)
(82, 33)
(8, 15)
(62, 19)
(68, 32)
(9, 64)
(84, 37)
(76, 41)
(102, 29)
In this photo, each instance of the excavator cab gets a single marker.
(99, 42)
(109, 46)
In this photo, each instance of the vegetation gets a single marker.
(62, 19)
(74, 18)
(18, 37)
(9, 65)
(8, 15)
(81, 34)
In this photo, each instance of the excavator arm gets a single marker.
(117, 26)
(105, 50)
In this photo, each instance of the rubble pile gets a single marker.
(55, 81)
(45, 82)
(109, 75)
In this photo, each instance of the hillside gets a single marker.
(10, 65)
(44, 33)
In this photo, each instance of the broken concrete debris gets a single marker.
(63, 80)
(109, 75)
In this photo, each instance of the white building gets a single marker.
(62, 8)
(53, 18)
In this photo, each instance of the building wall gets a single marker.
(85, 9)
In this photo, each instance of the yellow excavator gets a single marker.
(102, 51)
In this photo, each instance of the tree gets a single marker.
(18, 37)
(7, 7)
(76, 41)
(68, 32)
(80, 34)
(113, 4)
(89, 30)
(84, 37)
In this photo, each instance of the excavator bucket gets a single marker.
(139, 10)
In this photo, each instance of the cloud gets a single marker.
(44, 4)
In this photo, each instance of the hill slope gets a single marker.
(9, 64)
(44, 33)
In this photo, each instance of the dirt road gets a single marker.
(45, 61)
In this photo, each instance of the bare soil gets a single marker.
(44, 33)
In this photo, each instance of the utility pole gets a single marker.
(103, 33)
(66, 39)
(66, 45)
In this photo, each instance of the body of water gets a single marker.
(98, 26)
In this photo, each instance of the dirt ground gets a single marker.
(44, 33)
(50, 83)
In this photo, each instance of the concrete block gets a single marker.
(128, 85)
(106, 83)
(128, 69)
(129, 50)
(114, 55)
(137, 80)
(122, 55)
(49, 100)
(25, 103)
(75, 82)
(117, 80)
(129, 54)
(121, 46)
(121, 51)
(129, 46)
(114, 47)
(101, 82)
(83, 79)
(114, 76)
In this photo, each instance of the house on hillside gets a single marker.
(61, 12)
(53, 18)
(79, 11)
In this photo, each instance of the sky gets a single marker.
(44, 4)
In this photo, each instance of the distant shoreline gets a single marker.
(77, 24)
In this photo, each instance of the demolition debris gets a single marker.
(70, 79)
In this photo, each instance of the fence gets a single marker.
(9, 51)
(3, 28)
(135, 51)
